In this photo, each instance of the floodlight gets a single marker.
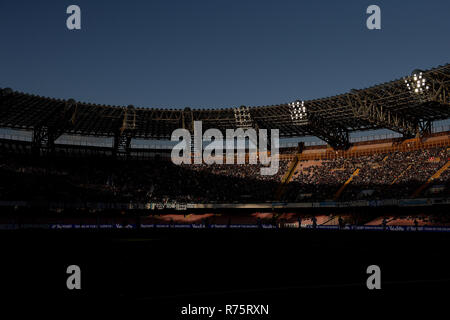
(298, 112)
(416, 83)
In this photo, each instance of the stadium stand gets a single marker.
(378, 176)
(44, 172)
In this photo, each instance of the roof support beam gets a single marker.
(124, 133)
(440, 89)
(368, 110)
(187, 120)
(244, 119)
(336, 136)
(46, 132)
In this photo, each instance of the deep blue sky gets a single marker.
(215, 53)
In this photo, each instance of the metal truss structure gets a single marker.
(392, 105)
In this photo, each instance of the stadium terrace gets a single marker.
(406, 169)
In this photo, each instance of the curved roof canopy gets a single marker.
(404, 105)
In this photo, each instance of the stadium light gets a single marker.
(299, 115)
(417, 83)
(243, 117)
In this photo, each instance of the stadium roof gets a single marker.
(406, 105)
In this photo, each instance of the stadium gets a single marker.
(111, 165)
(95, 184)
(225, 159)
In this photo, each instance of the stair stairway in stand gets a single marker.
(436, 175)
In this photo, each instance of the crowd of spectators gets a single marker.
(320, 181)
(393, 175)
(398, 174)
(107, 180)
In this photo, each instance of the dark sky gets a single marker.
(215, 53)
